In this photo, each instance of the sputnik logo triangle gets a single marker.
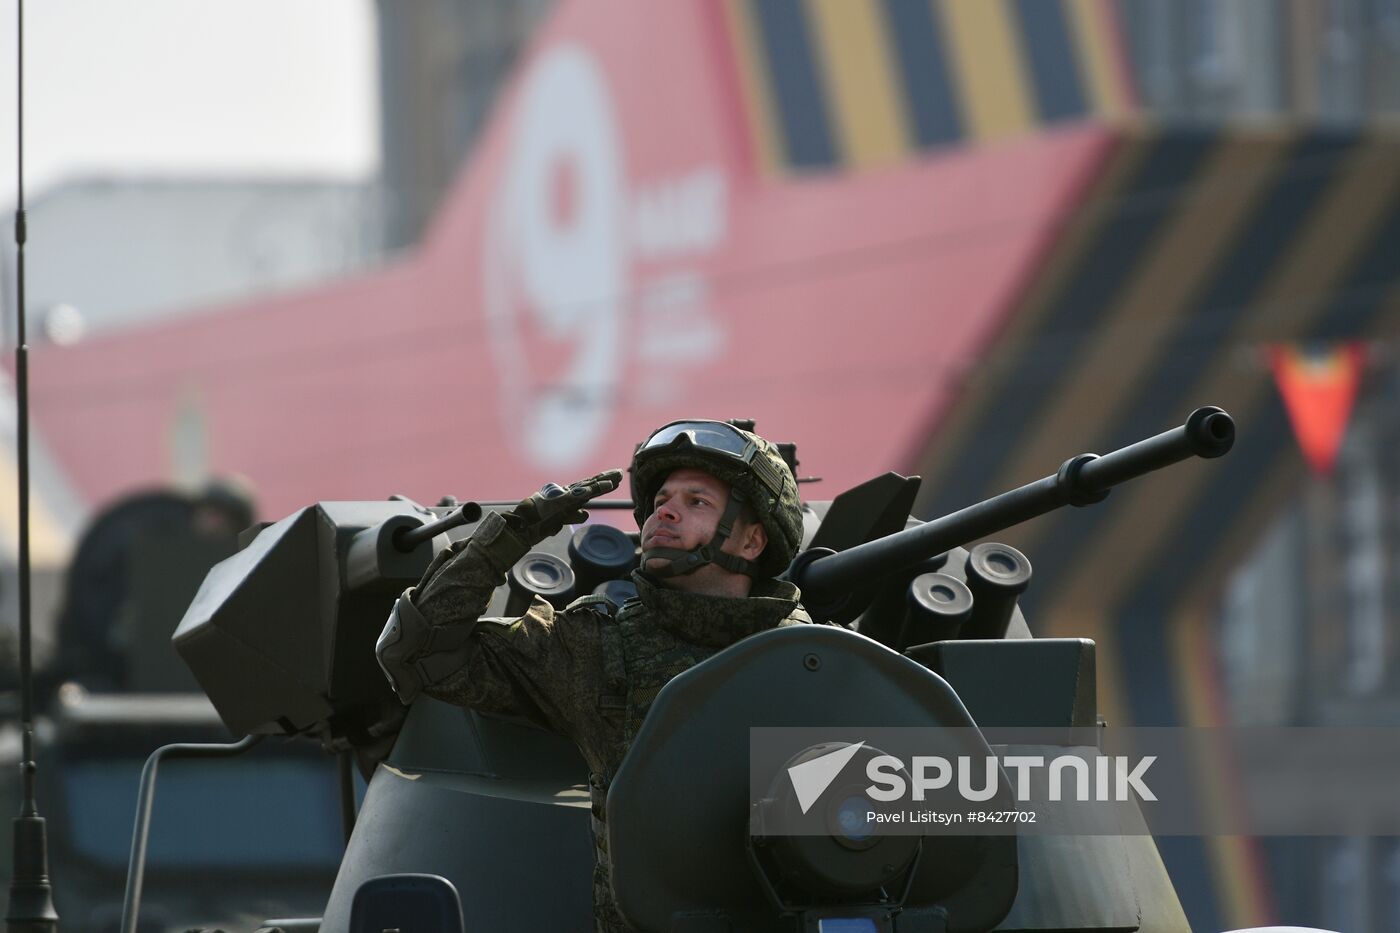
(810, 778)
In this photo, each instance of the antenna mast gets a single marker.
(31, 907)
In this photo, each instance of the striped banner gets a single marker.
(831, 84)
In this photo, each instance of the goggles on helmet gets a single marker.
(713, 437)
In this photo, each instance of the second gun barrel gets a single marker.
(1208, 432)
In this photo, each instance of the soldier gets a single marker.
(720, 518)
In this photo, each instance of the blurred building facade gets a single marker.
(442, 65)
(108, 253)
(1329, 61)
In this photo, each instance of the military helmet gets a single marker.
(742, 459)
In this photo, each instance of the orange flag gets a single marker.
(1318, 385)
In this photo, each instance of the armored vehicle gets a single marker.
(210, 862)
(481, 823)
(114, 690)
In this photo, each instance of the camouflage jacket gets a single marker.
(591, 671)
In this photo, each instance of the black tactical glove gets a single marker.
(504, 538)
(415, 653)
(549, 510)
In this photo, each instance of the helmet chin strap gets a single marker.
(683, 563)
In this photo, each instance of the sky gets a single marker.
(189, 87)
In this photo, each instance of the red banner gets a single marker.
(610, 259)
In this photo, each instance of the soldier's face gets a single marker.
(686, 511)
(685, 516)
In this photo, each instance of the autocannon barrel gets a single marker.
(826, 576)
(406, 539)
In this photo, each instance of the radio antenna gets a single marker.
(31, 895)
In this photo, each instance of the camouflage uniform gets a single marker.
(592, 671)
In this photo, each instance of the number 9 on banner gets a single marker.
(555, 269)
